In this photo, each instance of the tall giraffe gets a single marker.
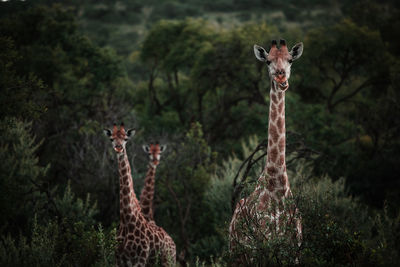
(146, 197)
(139, 242)
(264, 210)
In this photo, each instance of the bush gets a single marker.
(386, 236)
(337, 229)
(181, 206)
(21, 175)
(39, 251)
(55, 244)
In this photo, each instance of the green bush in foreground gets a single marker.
(55, 244)
(337, 229)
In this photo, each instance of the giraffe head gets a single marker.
(154, 151)
(119, 137)
(279, 61)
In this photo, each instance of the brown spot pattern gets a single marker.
(272, 171)
(280, 107)
(271, 185)
(270, 143)
(273, 154)
(273, 115)
(264, 198)
(139, 239)
(273, 133)
(280, 125)
(125, 191)
(281, 160)
(281, 144)
(274, 99)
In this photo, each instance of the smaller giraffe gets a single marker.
(146, 197)
(139, 242)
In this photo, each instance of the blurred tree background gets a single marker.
(184, 73)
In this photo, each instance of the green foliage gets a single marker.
(346, 100)
(62, 231)
(387, 225)
(17, 98)
(39, 251)
(106, 244)
(182, 207)
(340, 73)
(55, 244)
(20, 174)
(337, 229)
(333, 223)
(173, 10)
(274, 245)
(76, 210)
(58, 69)
(82, 84)
(189, 62)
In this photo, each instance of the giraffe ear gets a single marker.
(296, 51)
(130, 132)
(107, 132)
(162, 148)
(260, 53)
(146, 148)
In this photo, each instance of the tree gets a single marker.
(198, 74)
(20, 93)
(351, 113)
(83, 82)
(184, 177)
(22, 191)
(343, 63)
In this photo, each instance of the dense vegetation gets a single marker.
(183, 73)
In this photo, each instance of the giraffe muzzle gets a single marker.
(118, 148)
(284, 85)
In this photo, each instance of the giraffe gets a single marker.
(264, 210)
(139, 242)
(146, 197)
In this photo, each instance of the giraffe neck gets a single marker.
(275, 169)
(147, 195)
(129, 208)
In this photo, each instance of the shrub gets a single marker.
(40, 250)
(336, 227)
(20, 175)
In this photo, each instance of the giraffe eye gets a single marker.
(126, 139)
(111, 139)
(268, 62)
(290, 61)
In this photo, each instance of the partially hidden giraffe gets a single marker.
(139, 242)
(147, 195)
(264, 208)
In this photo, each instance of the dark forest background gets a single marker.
(183, 73)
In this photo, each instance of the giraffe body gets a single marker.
(139, 242)
(147, 195)
(264, 212)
